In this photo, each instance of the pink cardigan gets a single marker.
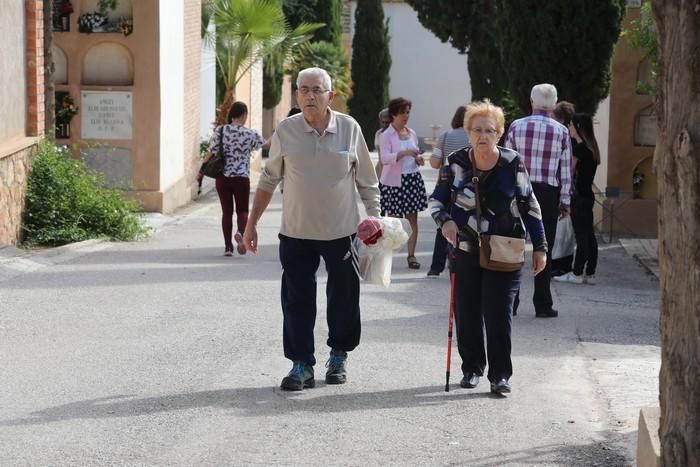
(390, 145)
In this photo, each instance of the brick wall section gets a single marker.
(193, 56)
(13, 183)
(34, 15)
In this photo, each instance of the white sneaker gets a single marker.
(569, 277)
(590, 280)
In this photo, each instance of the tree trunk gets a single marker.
(677, 165)
(222, 114)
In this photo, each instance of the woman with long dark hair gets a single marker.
(233, 186)
(586, 161)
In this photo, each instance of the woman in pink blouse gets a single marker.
(402, 187)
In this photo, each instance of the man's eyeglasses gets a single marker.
(315, 91)
(482, 131)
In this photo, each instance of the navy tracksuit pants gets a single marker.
(300, 260)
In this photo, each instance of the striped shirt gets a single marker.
(450, 141)
(545, 146)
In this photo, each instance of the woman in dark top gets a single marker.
(509, 208)
(586, 160)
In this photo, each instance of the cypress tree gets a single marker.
(329, 12)
(514, 44)
(567, 43)
(371, 63)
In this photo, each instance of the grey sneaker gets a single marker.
(300, 376)
(336, 373)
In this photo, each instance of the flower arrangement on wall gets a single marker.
(98, 20)
(67, 109)
(91, 22)
(125, 25)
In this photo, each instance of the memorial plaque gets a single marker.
(106, 115)
(634, 3)
(645, 128)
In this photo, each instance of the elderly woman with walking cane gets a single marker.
(484, 204)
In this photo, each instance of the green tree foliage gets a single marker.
(330, 13)
(371, 63)
(568, 44)
(247, 31)
(469, 27)
(297, 12)
(67, 202)
(642, 36)
(328, 56)
(514, 44)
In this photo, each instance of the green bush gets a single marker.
(68, 202)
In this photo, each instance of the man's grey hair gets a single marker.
(316, 72)
(543, 96)
(384, 113)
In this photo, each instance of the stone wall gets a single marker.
(14, 169)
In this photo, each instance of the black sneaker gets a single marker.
(470, 380)
(336, 373)
(502, 387)
(433, 274)
(300, 376)
(551, 313)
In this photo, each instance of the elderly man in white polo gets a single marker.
(324, 161)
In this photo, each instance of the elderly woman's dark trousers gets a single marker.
(483, 298)
(300, 260)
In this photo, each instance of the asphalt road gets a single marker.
(164, 352)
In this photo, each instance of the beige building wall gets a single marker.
(156, 164)
(635, 211)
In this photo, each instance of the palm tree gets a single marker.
(246, 32)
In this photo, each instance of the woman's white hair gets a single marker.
(544, 96)
(316, 72)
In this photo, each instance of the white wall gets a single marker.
(601, 127)
(13, 65)
(172, 91)
(432, 74)
(207, 89)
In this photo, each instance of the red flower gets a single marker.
(66, 8)
(369, 231)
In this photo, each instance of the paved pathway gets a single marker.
(163, 352)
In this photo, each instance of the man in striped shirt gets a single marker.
(545, 146)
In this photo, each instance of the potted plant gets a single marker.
(91, 22)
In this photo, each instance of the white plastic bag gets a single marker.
(564, 241)
(373, 246)
(373, 263)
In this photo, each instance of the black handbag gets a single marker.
(214, 167)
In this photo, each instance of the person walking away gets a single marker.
(586, 160)
(483, 297)
(545, 146)
(233, 186)
(447, 143)
(324, 160)
(563, 113)
(402, 186)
